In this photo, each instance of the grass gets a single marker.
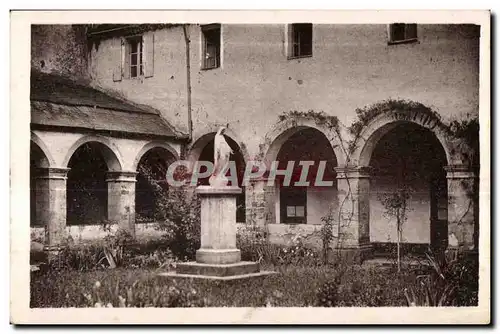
(293, 286)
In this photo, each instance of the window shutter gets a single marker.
(411, 31)
(126, 58)
(149, 48)
(118, 59)
(290, 40)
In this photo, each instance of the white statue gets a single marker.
(222, 152)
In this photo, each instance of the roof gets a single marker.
(57, 101)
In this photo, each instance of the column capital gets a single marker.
(121, 176)
(52, 173)
(459, 172)
(353, 172)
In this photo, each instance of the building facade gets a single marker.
(383, 106)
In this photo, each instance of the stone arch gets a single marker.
(44, 158)
(110, 152)
(283, 131)
(383, 123)
(149, 146)
(288, 141)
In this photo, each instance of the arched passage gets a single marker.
(203, 150)
(304, 204)
(87, 189)
(151, 180)
(407, 156)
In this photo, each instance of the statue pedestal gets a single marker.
(218, 257)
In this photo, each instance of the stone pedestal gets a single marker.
(121, 199)
(353, 184)
(51, 203)
(218, 225)
(218, 257)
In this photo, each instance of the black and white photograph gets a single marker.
(250, 167)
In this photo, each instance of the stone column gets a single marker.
(353, 184)
(462, 208)
(121, 199)
(260, 203)
(218, 225)
(50, 205)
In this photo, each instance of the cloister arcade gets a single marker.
(86, 179)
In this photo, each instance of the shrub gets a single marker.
(115, 250)
(451, 282)
(328, 294)
(80, 257)
(254, 246)
(177, 212)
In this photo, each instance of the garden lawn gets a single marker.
(292, 286)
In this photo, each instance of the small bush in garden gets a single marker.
(160, 258)
(328, 295)
(254, 246)
(465, 274)
(116, 248)
(450, 283)
(178, 215)
(81, 257)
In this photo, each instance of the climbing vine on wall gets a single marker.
(467, 130)
(367, 114)
(320, 117)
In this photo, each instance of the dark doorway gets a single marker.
(87, 190)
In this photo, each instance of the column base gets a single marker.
(218, 256)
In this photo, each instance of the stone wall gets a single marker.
(280, 234)
(60, 49)
(85, 233)
(257, 82)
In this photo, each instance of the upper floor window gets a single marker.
(133, 56)
(402, 33)
(135, 46)
(211, 46)
(300, 40)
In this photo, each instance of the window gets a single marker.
(295, 211)
(135, 56)
(402, 33)
(211, 46)
(300, 40)
(293, 205)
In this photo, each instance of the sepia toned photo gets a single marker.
(314, 167)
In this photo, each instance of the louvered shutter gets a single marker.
(117, 51)
(149, 48)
